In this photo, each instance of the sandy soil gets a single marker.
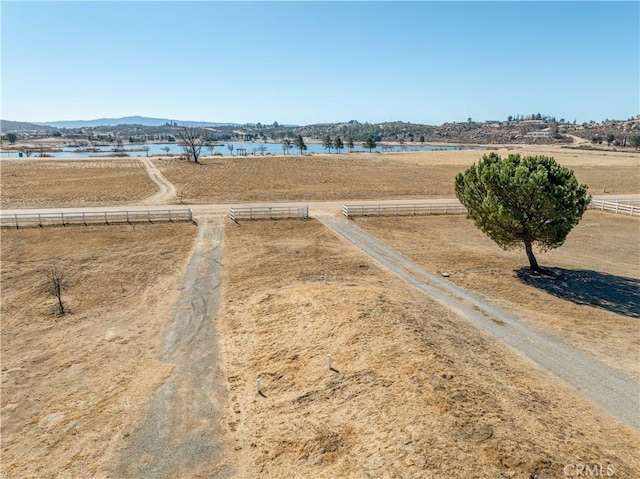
(50, 183)
(372, 176)
(594, 306)
(415, 392)
(76, 387)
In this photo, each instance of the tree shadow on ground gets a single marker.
(601, 290)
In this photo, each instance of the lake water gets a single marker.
(251, 149)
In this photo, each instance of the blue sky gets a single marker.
(312, 62)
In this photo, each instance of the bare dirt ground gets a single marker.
(51, 183)
(594, 304)
(415, 391)
(75, 388)
(372, 176)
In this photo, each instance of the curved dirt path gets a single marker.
(167, 189)
(578, 140)
(607, 387)
(181, 434)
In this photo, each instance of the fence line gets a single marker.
(622, 201)
(403, 209)
(627, 206)
(615, 207)
(21, 220)
(268, 212)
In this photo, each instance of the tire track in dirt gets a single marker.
(181, 434)
(167, 189)
(607, 387)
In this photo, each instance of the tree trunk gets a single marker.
(60, 305)
(533, 263)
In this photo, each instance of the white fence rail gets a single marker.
(626, 206)
(623, 201)
(268, 212)
(403, 209)
(631, 208)
(22, 220)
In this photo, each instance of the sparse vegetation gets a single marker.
(192, 139)
(512, 130)
(327, 143)
(298, 142)
(338, 144)
(370, 143)
(56, 282)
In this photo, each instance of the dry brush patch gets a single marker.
(74, 387)
(369, 176)
(418, 392)
(593, 304)
(61, 183)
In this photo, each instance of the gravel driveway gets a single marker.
(180, 437)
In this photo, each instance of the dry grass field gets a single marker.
(68, 183)
(61, 183)
(372, 176)
(416, 392)
(593, 305)
(74, 387)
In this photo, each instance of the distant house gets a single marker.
(538, 133)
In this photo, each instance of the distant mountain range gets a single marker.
(127, 120)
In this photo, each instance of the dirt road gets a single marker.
(607, 387)
(181, 435)
(167, 189)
